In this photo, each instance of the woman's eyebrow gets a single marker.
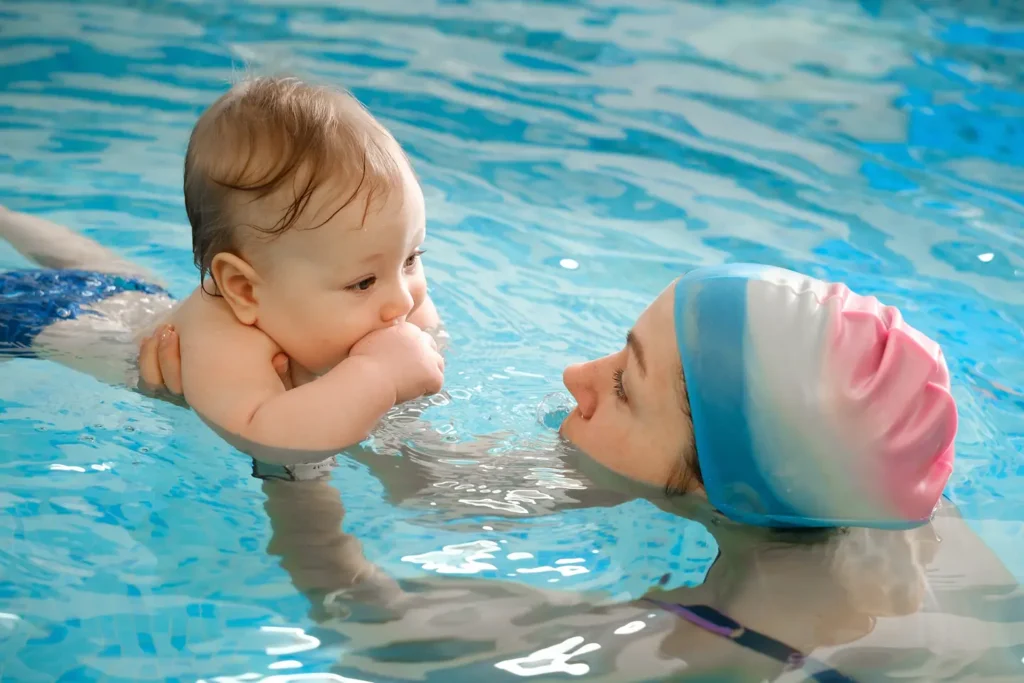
(638, 350)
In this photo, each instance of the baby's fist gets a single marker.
(407, 356)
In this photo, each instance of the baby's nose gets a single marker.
(398, 305)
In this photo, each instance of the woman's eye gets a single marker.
(411, 261)
(363, 284)
(620, 389)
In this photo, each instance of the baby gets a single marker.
(307, 227)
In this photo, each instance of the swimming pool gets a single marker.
(576, 155)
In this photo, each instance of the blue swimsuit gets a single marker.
(32, 300)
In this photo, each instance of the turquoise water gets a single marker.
(576, 155)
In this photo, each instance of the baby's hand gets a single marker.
(407, 356)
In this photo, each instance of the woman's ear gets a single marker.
(237, 281)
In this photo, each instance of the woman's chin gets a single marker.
(565, 429)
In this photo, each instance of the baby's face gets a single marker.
(326, 288)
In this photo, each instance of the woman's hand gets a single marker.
(160, 362)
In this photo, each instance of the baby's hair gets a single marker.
(279, 134)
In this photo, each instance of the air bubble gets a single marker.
(554, 408)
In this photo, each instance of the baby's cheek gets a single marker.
(418, 291)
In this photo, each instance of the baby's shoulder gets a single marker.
(200, 308)
(206, 318)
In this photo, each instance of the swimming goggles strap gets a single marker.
(713, 621)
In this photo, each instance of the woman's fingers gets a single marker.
(169, 355)
(149, 364)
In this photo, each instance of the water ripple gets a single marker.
(875, 143)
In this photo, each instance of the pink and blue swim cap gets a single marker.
(812, 406)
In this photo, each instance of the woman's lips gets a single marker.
(573, 415)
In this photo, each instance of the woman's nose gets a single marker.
(577, 379)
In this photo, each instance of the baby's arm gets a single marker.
(229, 379)
(160, 356)
(306, 518)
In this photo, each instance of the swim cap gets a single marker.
(812, 406)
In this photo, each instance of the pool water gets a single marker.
(576, 155)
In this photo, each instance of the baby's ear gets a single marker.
(236, 282)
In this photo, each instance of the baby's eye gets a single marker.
(413, 258)
(363, 284)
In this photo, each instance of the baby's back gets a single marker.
(102, 340)
(88, 320)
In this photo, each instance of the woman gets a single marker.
(812, 430)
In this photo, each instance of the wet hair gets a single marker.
(687, 467)
(279, 134)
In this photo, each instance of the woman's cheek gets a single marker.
(611, 431)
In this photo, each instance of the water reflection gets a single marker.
(839, 595)
(294, 640)
(864, 141)
(463, 558)
(552, 660)
(932, 592)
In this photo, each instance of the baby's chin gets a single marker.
(310, 367)
(301, 375)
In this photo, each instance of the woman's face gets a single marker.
(631, 413)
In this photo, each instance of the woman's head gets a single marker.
(807, 404)
(632, 413)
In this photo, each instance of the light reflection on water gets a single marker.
(576, 156)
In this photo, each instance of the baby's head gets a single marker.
(306, 217)
(788, 400)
